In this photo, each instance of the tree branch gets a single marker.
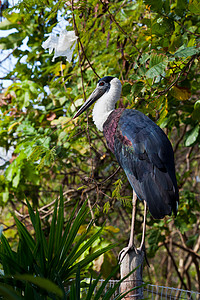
(175, 266)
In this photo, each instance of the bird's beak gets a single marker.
(96, 94)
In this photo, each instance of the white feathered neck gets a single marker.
(106, 104)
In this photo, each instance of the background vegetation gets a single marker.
(153, 47)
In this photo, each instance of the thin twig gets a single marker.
(180, 139)
(79, 41)
(112, 175)
(77, 34)
(8, 55)
(120, 28)
(90, 207)
(187, 158)
(175, 266)
(192, 252)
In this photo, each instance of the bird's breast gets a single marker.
(110, 127)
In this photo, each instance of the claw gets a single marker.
(125, 250)
(143, 248)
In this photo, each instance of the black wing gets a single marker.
(146, 155)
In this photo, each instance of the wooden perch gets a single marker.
(132, 260)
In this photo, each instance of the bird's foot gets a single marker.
(141, 248)
(125, 250)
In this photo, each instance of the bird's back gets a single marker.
(144, 152)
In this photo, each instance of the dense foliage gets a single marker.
(153, 47)
(53, 266)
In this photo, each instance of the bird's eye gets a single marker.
(101, 83)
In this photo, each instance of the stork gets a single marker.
(142, 150)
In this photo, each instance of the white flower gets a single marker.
(64, 44)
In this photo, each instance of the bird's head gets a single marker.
(105, 85)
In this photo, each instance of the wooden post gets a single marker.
(131, 261)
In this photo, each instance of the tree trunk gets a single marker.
(131, 261)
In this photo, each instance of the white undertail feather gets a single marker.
(106, 104)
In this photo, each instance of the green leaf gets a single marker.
(191, 136)
(6, 25)
(157, 65)
(103, 285)
(6, 247)
(10, 171)
(154, 4)
(163, 111)
(10, 264)
(196, 111)
(24, 234)
(8, 293)
(84, 262)
(51, 244)
(137, 88)
(194, 7)
(78, 280)
(16, 179)
(5, 196)
(65, 243)
(86, 246)
(93, 285)
(186, 51)
(60, 221)
(181, 7)
(180, 93)
(162, 26)
(68, 237)
(43, 283)
(31, 213)
(106, 207)
(144, 58)
(126, 89)
(11, 41)
(41, 244)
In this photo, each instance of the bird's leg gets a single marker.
(131, 245)
(142, 244)
(131, 239)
